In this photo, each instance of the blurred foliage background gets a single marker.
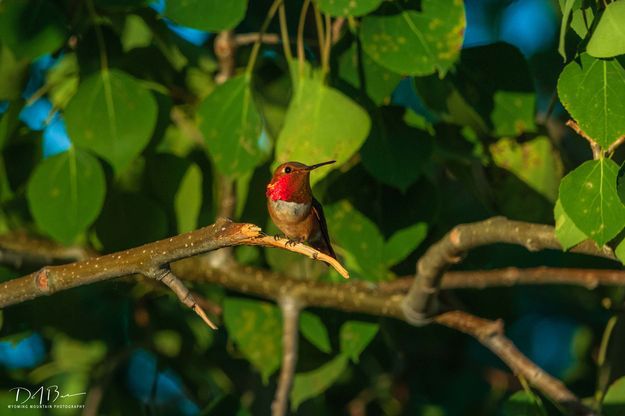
(116, 130)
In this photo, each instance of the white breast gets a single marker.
(291, 212)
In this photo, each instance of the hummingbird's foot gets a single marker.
(315, 256)
(277, 237)
(292, 243)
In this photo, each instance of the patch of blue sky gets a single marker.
(26, 353)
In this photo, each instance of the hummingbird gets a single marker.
(294, 209)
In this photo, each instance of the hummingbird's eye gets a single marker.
(287, 169)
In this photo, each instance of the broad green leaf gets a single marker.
(589, 197)
(534, 162)
(13, 72)
(566, 232)
(188, 200)
(167, 342)
(208, 15)
(395, 153)
(355, 336)
(363, 73)
(62, 80)
(614, 400)
(256, 327)
(415, 42)
(608, 38)
(404, 242)
(112, 115)
(523, 404)
(232, 127)
(592, 91)
(361, 242)
(315, 331)
(65, 194)
(321, 124)
(313, 383)
(348, 7)
(31, 28)
(582, 19)
(136, 33)
(129, 220)
(69, 354)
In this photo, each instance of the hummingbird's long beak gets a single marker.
(318, 165)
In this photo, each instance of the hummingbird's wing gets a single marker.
(324, 245)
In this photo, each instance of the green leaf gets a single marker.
(608, 38)
(404, 242)
(256, 327)
(614, 400)
(9, 120)
(167, 342)
(66, 193)
(31, 28)
(13, 72)
(314, 383)
(188, 200)
(533, 161)
(522, 404)
(355, 336)
(363, 73)
(393, 144)
(315, 331)
(136, 33)
(112, 115)
(589, 197)
(348, 7)
(208, 15)
(321, 124)
(566, 232)
(415, 42)
(592, 91)
(567, 6)
(361, 242)
(232, 127)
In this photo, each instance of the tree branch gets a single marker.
(290, 307)
(420, 302)
(225, 50)
(365, 299)
(594, 146)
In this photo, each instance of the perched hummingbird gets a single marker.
(293, 208)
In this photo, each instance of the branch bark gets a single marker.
(420, 303)
(290, 307)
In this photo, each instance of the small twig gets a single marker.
(243, 39)
(225, 51)
(290, 307)
(594, 146)
(300, 36)
(165, 275)
(284, 34)
(337, 27)
(284, 243)
(612, 148)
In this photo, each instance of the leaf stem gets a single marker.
(256, 48)
(300, 36)
(320, 31)
(104, 63)
(284, 34)
(325, 57)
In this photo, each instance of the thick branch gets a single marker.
(290, 307)
(419, 304)
(145, 260)
(18, 249)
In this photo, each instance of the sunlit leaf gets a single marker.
(592, 91)
(232, 127)
(313, 383)
(404, 242)
(614, 400)
(566, 232)
(66, 193)
(321, 124)
(188, 200)
(522, 404)
(414, 42)
(256, 327)
(112, 115)
(608, 37)
(355, 336)
(314, 331)
(589, 197)
(13, 72)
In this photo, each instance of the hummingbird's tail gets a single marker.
(324, 246)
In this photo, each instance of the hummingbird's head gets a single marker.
(290, 181)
